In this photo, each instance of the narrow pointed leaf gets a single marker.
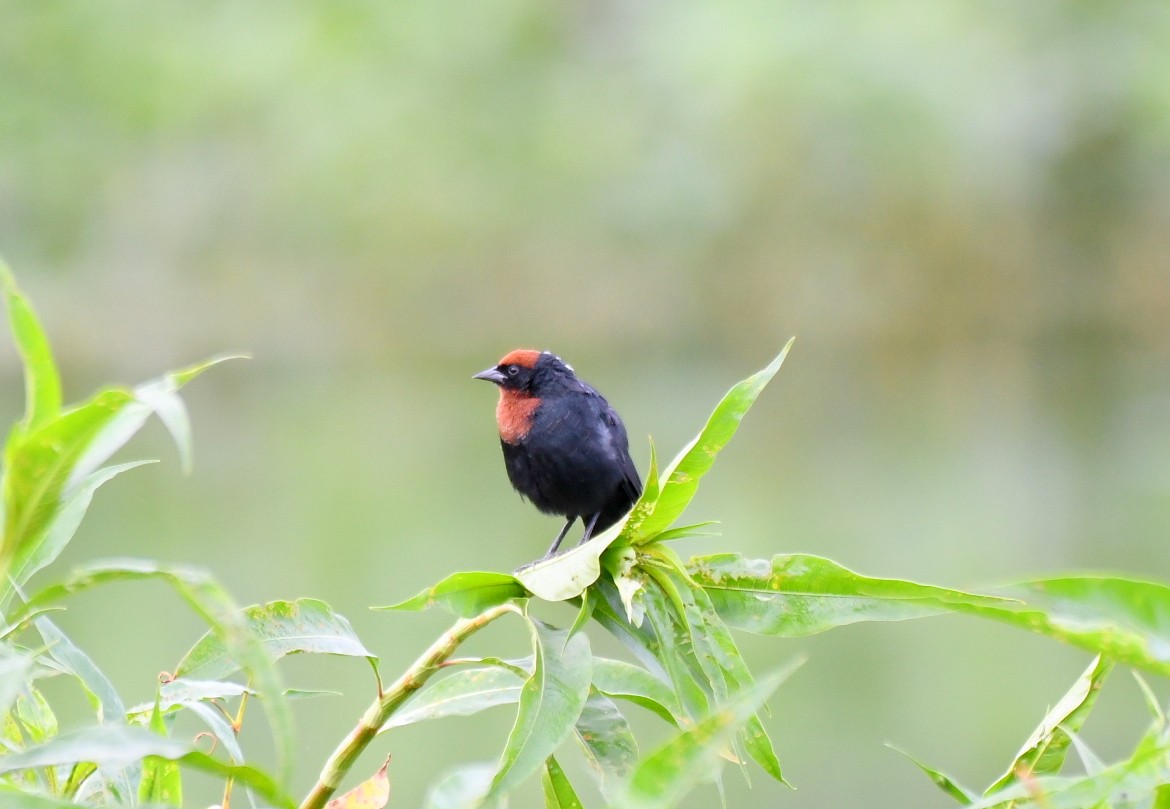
(584, 612)
(795, 595)
(42, 385)
(550, 704)
(941, 780)
(558, 792)
(681, 478)
(1044, 752)
(44, 549)
(465, 594)
(695, 755)
(102, 695)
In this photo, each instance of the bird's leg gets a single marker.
(557, 542)
(589, 529)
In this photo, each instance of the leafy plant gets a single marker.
(677, 617)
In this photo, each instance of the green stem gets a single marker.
(383, 707)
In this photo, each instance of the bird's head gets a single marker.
(530, 372)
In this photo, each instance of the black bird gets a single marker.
(565, 448)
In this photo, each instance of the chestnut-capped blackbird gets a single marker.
(565, 448)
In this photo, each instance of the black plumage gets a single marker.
(565, 448)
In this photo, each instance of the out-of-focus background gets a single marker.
(962, 210)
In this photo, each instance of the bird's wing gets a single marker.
(620, 446)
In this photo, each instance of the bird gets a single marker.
(565, 449)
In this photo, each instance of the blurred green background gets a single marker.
(962, 210)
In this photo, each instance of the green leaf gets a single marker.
(1131, 783)
(42, 550)
(304, 626)
(683, 475)
(684, 531)
(462, 693)
(212, 603)
(159, 397)
(1125, 619)
(638, 638)
(625, 681)
(462, 788)
(675, 654)
(558, 792)
(161, 781)
(1044, 752)
(121, 745)
(13, 798)
(42, 385)
(466, 594)
(607, 742)
(584, 612)
(642, 509)
(30, 721)
(714, 644)
(941, 780)
(102, 695)
(14, 673)
(795, 595)
(567, 575)
(550, 703)
(694, 756)
(40, 469)
(47, 463)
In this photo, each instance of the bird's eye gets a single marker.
(513, 370)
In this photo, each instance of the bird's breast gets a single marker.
(514, 414)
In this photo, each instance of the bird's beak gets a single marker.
(491, 375)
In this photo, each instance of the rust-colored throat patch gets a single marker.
(514, 415)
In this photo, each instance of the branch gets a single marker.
(388, 702)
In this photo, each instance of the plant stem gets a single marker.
(384, 706)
